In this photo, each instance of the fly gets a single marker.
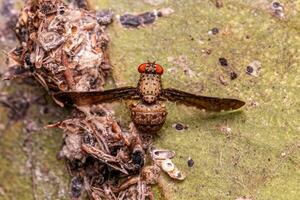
(149, 113)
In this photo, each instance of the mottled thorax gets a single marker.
(149, 87)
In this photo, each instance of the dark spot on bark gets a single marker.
(223, 61)
(147, 17)
(190, 162)
(215, 31)
(249, 70)
(179, 126)
(129, 20)
(233, 75)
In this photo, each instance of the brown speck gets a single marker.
(223, 61)
(219, 3)
(233, 75)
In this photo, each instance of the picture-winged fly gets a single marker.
(149, 114)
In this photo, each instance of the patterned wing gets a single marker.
(202, 102)
(94, 97)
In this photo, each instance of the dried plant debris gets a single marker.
(63, 48)
(99, 137)
(105, 160)
(136, 20)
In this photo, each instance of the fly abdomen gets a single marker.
(148, 118)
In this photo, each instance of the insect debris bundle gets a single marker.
(63, 48)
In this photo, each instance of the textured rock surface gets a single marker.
(251, 154)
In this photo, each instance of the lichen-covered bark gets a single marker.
(253, 153)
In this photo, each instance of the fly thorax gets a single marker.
(149, 87)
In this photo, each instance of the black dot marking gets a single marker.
(215, 31)
(233, 75)
(179, 126)
(190, 162)
(223, 61)
(249, 70)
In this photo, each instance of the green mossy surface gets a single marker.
(259, 154)
(259, 158)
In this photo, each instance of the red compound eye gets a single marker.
(159, 69)
(142, 68)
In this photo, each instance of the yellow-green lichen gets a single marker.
(248, 160)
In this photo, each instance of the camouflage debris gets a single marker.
(135, 20)
(63, 48)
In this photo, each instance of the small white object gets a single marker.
(167, 165)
